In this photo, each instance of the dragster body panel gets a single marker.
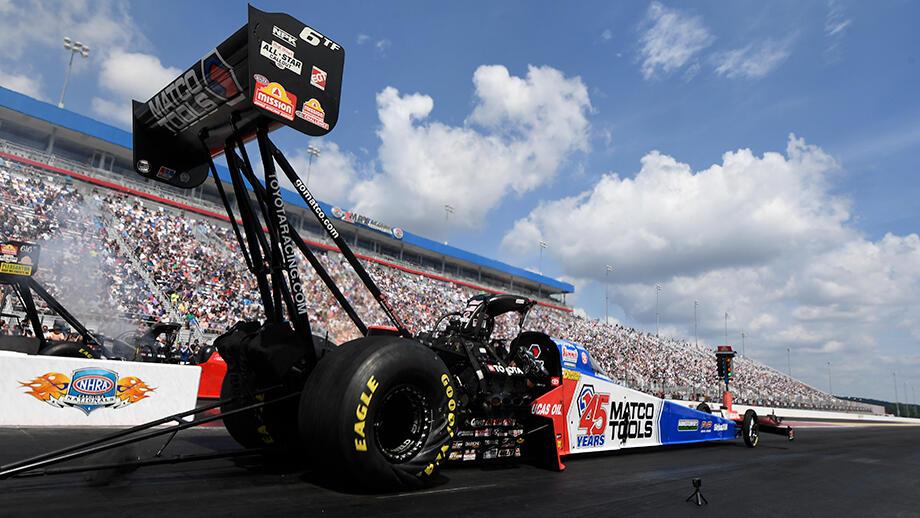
(591, 413)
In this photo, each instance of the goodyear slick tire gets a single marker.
(246, 428)
(67, 350)
(749, 429)
(268, 426)
(703, 407)
(378, 413)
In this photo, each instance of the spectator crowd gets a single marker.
(195, 263)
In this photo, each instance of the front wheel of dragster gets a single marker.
(379, 413)
(749, 429)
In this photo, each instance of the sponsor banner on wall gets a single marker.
(56, 391)
(358, 219)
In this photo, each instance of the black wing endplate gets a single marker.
(275, 69)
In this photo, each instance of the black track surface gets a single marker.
(861, 471)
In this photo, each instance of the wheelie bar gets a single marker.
(771, 425)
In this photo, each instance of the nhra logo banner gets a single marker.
(87, 389)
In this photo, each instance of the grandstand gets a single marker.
(122, 251)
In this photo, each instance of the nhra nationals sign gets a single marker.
(18, 258)
(606, 416)
(58, 391)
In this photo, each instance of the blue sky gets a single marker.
(758, 158)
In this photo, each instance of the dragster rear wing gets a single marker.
(274, 70)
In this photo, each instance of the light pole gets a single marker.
(696, 336)
(313, 152)
(74, 48)
(896, 405)
(830, 388)
(542, 246)
(607, 296)
(789, 362)
(448, 210)
(726, 328)
(742, 342)
(657, 314)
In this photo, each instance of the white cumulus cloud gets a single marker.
(763, 239)
(129, 75)
(33, 30)
(329, 177)
(26, 84)
(520, 131)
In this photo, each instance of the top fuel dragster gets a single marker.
(386, 410)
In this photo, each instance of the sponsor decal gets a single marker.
(87, 389)
(194, 94)
(571, 375)
(469, 310)
(554, 381)
(284, 35)
(631, 420)
(15, 269)
(547, 409)
(569, 353)
(361, 413)
(288, 247)
(165, 173)
(509, 370)
(316, 39)
(455, 455)
(312, 112)
(318, 78)
(535, 350)
(584, 357)
(706, 426)
(283, 57)
(219, 77)
(398, 233)
(687, 425)
(720, 427)
(8, 249)
(591, 408)
(272, 97)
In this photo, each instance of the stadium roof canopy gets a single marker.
(37, 124)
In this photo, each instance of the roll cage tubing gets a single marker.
(272, 258)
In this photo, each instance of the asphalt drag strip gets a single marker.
(826, 471)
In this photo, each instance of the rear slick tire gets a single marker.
(379, 413)
(749, 429)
